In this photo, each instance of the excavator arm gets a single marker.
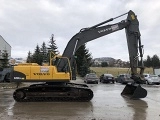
(131, 26)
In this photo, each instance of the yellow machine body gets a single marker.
(30, 72)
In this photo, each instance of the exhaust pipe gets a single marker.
(134, 91)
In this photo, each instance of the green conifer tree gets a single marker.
(5, 61)
(83, 60)
(29, 57)
(37, 56)
(44, 52)
(155, 61)
(52, 47)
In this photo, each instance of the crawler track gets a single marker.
(48, 93)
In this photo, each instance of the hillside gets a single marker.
(111, 62)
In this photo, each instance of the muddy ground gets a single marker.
(107, 104)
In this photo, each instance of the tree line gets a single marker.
(82, 56)
(42, 54)
(153, 61)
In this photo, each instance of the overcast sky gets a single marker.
(26, 23)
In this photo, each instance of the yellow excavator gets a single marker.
(55, 78)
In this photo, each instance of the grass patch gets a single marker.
(116, 71)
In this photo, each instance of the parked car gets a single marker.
(107, 78)
(124, 79)
(152, 79)
(146, 76)
(91, 78)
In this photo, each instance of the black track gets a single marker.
(49, 92)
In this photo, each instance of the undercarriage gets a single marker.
(53, 92)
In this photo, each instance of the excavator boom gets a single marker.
(131, 26)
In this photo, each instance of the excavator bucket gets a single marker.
(134, 91)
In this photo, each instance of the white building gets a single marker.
(4, 46)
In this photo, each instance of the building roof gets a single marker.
(5, 41)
